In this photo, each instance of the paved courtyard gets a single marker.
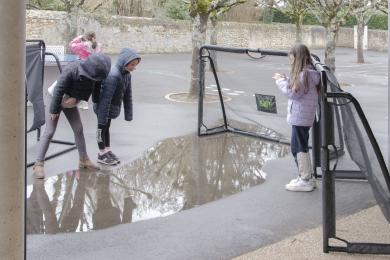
(234, 223)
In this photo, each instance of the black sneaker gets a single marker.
(106, 159)
(113, 156)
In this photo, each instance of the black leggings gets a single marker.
(103, 135)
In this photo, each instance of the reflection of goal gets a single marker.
(236, 88)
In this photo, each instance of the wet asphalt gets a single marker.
(162, 156)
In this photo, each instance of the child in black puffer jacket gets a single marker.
(115, 90)
(77, 82)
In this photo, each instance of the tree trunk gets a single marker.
(268, 13)
(360, 35)
(51, 224)
(214, 41)
(298, 32)
(331, 37)
(73, 26)
(199, 24)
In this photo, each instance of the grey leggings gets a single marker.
(73, 116)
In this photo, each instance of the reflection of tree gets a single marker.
(33, 214)
(106, 214)
(192, 171)
(72, 213)
(129, 206)
(220, 168)
(48, 212)
(57, 191)
(40, 214)
(176, 174)
(195, 179)
(229, 164)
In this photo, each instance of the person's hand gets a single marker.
(94, 44)
(54, 116)
(70, 101)
(277, 76)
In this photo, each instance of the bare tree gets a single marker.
(214, 17)
(381, 5)
(200, 11)
(268, 13)
(42, 4)
(70, 5)
(214, 39)
(296, 10)
(128, 7)
(74, 8)
(362, 10)
(331, 14)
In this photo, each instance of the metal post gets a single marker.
(201, 91)
(388, 92)
(328, 181)
(316, 146)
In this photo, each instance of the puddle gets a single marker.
(174, 175)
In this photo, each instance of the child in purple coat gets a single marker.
(302, 90)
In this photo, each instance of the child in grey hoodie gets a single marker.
(302, 90)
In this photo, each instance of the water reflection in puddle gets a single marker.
(175, 174)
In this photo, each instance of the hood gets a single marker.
(96, 67)
(125, 57)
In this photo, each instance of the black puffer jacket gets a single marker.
(116, 89)
(80, 79)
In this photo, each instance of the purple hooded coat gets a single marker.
(301, 108)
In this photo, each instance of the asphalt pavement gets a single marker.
(233, 225)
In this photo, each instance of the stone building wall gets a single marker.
(377, 40)
(149, 35)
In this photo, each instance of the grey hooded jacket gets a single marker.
(80, 79)
(116, 89)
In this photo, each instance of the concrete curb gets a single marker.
(368, 225)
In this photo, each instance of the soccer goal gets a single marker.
(237, 94)
(237, 91)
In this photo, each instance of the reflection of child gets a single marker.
(115, 90)
(302, 90)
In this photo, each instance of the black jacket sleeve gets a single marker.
(128, 101)
(107, 91)
(63, 82)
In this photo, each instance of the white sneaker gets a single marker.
(294, 180)
(312, 180)
(300, 185)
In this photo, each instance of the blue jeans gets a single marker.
(299, 140)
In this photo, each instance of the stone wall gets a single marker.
(345, 38)
(148, 35)
(377, 40)
(52, 27)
